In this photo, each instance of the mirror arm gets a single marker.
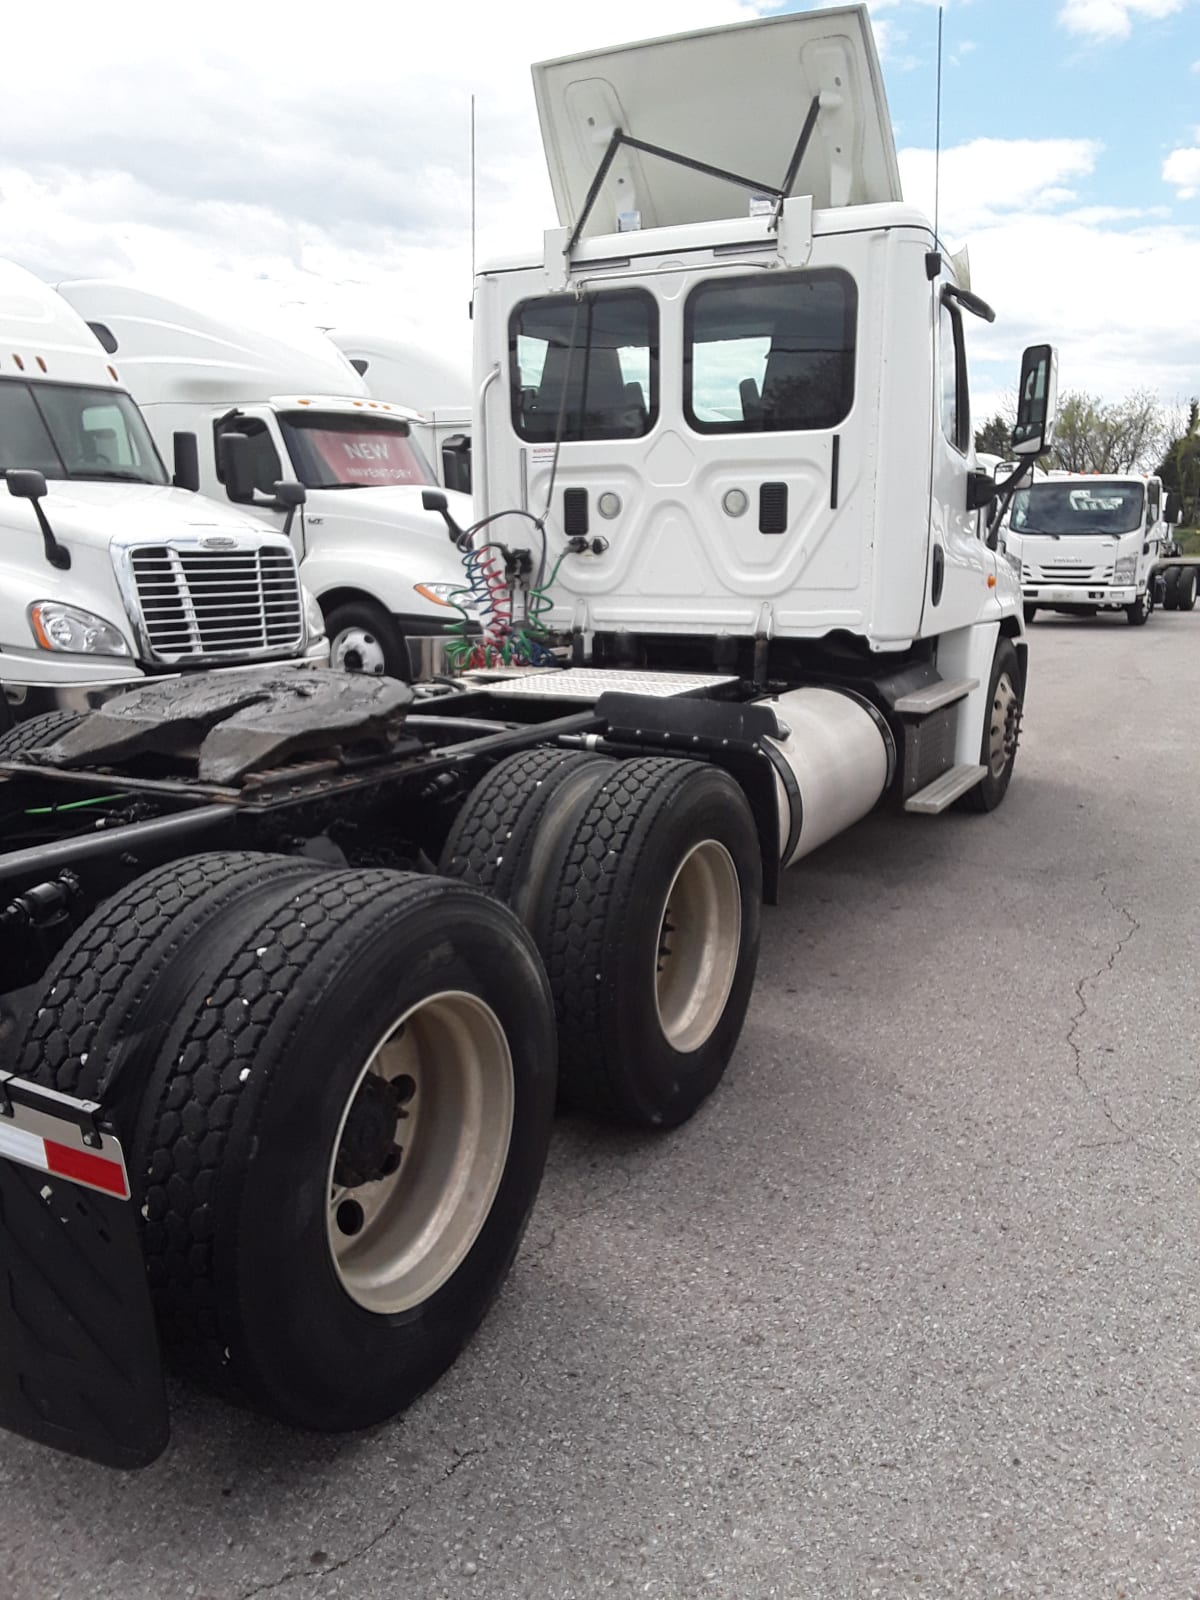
(56, 554)
(969, 302)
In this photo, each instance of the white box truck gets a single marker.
(110, 571)
(1090, 542)
(280, 401)
(395, 370)
(317, 1096)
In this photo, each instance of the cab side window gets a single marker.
(1153, 510)
(105, 440)
(955, 397)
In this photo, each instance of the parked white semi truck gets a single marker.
(110, 571)
(282, 402)
(395, 370)
(728, 458)
(1088, 543)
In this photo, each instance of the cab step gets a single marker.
(921, 702)
(933, 799)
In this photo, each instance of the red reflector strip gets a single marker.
(84, 1167)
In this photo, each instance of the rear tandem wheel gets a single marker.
(336, 1108)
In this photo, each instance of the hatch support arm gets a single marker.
(620, 138)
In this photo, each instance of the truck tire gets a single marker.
(115, 987)
(1029, 613)
(1185, 590)
(1171, 588)
(38, 731)
(509, 836)
(1138, 614)
(301, 1261)
(1001, 731)
(650, 936)
(363, 638)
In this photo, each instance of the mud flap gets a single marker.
(79, 1359)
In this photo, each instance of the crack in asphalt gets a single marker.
(1128, 1135)
(327, 1569)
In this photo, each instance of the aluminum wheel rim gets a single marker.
(700, 937)
(1003, 710)
(416, 1225)
(358, 650)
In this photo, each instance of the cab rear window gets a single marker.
(770, 356)
(584, 368)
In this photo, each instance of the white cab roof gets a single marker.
(398, 371)
(41, 338)
(734, 97)
(169, 352)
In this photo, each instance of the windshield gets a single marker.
(331, 450)
(68, 432)
(1067, 508)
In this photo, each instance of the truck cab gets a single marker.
(381, 567)
(1088, 542)
(110, 571)
(743, 407)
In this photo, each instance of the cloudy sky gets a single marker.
(317, 157)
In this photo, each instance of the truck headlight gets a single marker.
(314, 617)
(441, 593)
(76, 632)
(1125, 569)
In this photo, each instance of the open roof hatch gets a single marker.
(730, 101)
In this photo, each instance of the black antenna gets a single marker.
(937, 139)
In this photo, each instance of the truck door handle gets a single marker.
(939, 574)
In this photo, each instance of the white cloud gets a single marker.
(328, 158)
(987, 178)
(1182, 168)
(1113, 19)
(1103, 283)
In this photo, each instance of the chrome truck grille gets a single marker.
(1031, 573)
(222, 605)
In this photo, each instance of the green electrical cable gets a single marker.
(74, 805)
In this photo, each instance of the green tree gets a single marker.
(1093, 435)
(1179, 468)
(995, 437)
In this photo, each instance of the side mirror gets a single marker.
(1171, 510)
(456, 463)
(187, 463)
(981, 489)
(290, 495)
(1037, 398)
(435, 500)
(25, 484)
(233, 458)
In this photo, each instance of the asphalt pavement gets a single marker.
(910, 1309)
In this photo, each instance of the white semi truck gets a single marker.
(396, 370)
(111, 572)
(281, 401)
(1090, 542)
(298, 1121)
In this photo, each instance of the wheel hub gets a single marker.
(368, 1150)
(699, 940)
(400, 1220)
(1005, 725)
(357, 650)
